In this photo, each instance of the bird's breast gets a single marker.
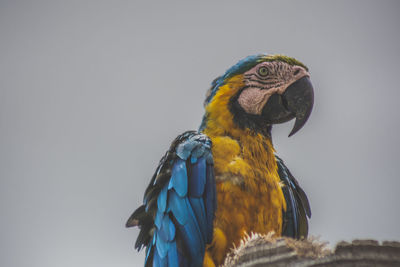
(249, 194)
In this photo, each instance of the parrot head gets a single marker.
(260, 91)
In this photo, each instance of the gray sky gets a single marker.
(93, 92)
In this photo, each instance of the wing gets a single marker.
(176, 219)
(295, 222)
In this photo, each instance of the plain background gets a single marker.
(93, 92)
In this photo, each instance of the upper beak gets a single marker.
(296, 102)
(299, 97)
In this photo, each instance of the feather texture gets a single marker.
(295, 223)
(176, 219)
(178, 213)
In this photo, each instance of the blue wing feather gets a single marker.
(167, 229)
(179, 205)
(210, 200)
(162, 245)
(158, 261)
(295, 223)
(199, 211)
(179, 179)
(192, 236)
(158, 218)
(198, 178)
(162, 199)
(148, 252)
(172, 231)
(173, 255)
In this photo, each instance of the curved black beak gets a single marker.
(296, 102)
(299, 98)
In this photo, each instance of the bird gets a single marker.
(217, 184)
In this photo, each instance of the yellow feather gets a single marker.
(208, 262)
(256, 203)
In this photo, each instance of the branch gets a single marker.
(265, 250)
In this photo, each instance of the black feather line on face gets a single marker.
(245, 120)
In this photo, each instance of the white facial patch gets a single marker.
(252, 100)
(275, 77)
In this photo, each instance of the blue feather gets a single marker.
(162, 199)
(172, 231)
(148, 251)
(195, 245)
(167, 230)
(185, 149)
(198, 151)
(162, 246)
(183, 219)
(158, 261)
(158, 219)
(195, 228)
(200, 213)
(209, 158)
(179, 179)
(154, 238)
(187, 225)
(197, 178)
(210, 201)
(292, 199)
(173, 255)
(183, 260)
(294, 211)
(178, 207)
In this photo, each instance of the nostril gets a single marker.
(296, 72)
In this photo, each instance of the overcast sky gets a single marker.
(93, 92)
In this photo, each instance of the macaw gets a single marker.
(216, 184)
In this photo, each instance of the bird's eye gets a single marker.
(263, 71)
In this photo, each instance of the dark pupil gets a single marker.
(263, 71)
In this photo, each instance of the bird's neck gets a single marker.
(240, 154)
(237, 150)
